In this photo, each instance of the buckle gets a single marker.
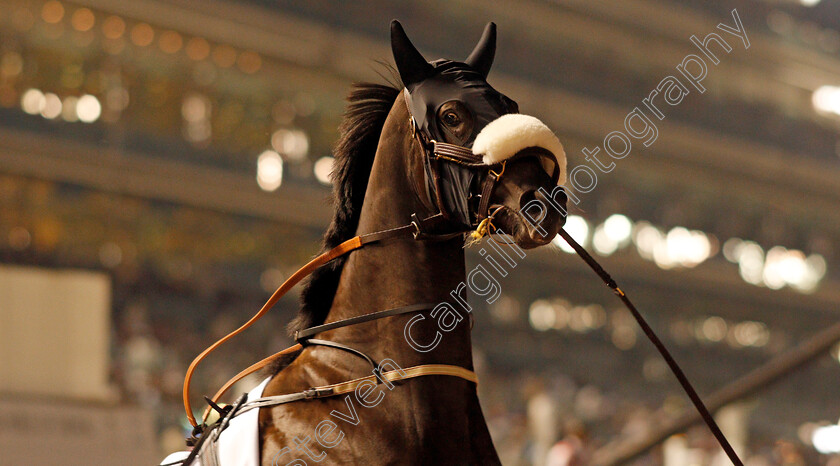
(415, 222)
(196, 434)
(312, 393)
(497, 176)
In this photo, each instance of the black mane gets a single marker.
(359, 132)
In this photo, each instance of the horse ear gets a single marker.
(481, 59)
(412, 66)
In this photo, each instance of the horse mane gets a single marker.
(368, 105)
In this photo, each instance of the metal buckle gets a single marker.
(196, 434)
(415, 221)
(312, 393)
(498, 176)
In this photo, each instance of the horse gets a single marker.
(384, 176)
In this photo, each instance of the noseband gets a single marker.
(455, 205)
(442, 161)
(437, 227)
(456, 179)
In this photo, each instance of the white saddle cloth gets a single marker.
(238, 444)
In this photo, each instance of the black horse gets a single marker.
(387, 172)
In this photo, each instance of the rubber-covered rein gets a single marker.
(675, 368)
(304, 271)
(416, 228)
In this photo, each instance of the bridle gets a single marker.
(435, 154)
(438, 153)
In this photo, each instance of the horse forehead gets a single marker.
(473, 93)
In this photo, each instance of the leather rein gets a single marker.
(420, 229)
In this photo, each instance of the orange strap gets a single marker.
(250, 370)
(326, 391)
(341, 249)
(407, 373)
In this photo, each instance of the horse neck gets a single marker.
(401, 271)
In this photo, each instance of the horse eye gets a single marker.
(451, 118)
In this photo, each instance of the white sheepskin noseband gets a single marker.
(505, 136)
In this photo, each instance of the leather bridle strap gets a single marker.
(243, 405)
(246, 372)
(349, 386)
(303, 272)
(308, 332)
(672, 364)
(302, 339)
(458, 154)
(463, 156)
(418, 228)
(487, 192)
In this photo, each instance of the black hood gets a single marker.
(459, 82)
(429, 85)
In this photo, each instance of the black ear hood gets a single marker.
(481, 58)
(413, 68)
(411, 65)
(431, 84)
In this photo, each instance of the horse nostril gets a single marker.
(527, 197)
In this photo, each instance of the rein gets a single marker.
(417, 228)
(303, 338)
(672, 364)
(434, 153)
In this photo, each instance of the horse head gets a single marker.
(472, 132)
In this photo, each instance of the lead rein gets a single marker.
(672, 364)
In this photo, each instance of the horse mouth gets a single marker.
(526, 235)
